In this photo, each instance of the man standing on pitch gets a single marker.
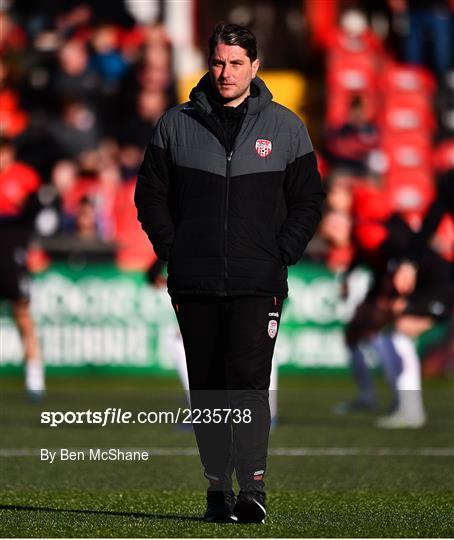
(229, 195)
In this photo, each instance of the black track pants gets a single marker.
(229, 344)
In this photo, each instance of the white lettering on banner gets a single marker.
(312, 348)
(119, 320)
(73, 345)
(155, 305)
(11, 350)
(114, 345)
(314, 301)
(320, 301)
(91, 299)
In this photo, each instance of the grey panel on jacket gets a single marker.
(199, 158)
(267, 142)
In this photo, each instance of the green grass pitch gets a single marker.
(328, 476)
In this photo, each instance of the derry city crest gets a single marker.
(263, 147)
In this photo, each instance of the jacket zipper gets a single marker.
(226, 219)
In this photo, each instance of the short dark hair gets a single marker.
(233, 34)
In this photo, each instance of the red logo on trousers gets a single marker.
(272, 328)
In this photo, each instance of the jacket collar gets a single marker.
(260, 95)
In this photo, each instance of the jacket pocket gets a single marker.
(279, 254)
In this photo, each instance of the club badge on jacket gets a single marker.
(263, 147)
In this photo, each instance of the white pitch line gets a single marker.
(359, 451)
(279, 452)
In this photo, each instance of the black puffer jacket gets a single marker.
(229, 224)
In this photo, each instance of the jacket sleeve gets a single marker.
(304, 196)
(152, 193)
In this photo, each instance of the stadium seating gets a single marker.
(408, 114)
(409, 153)
(406, 79)
(410, 189)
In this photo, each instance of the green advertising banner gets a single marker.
(98, 317)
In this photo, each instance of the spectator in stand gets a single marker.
(335, 229)
(54, 217)
(106, 59)
(340, 192)
(38, 147)
(111, 65)
(158, 50)
(336, 225)
(86, 224)
(76, 130)
(130, 159)
(427, 19)
(104, 196)
(150, 106)
(64, 180)
(149, 92)
(74, 78)
(19, 185)
(12, 37)
(14, 120)
(348, 145)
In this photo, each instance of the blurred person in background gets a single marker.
(149, 91)
(399, 307)
(55, 217)
(76, 130)
(106, 58)
(129, 160)
(348, 146)
(138, 125)
(379, 236)
(429, 21)
(14, 119)
(75, 78)
(335, 228)
(430, 301)
(19, 205)
(426, 272)
(12, 36)
(206, 196)
(86, 223)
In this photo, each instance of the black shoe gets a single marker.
(250, 507)
(220, 506)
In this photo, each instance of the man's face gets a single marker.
(231, 72)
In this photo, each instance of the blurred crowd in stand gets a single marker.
(389, 142)
(388, 157)
(82, 85)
